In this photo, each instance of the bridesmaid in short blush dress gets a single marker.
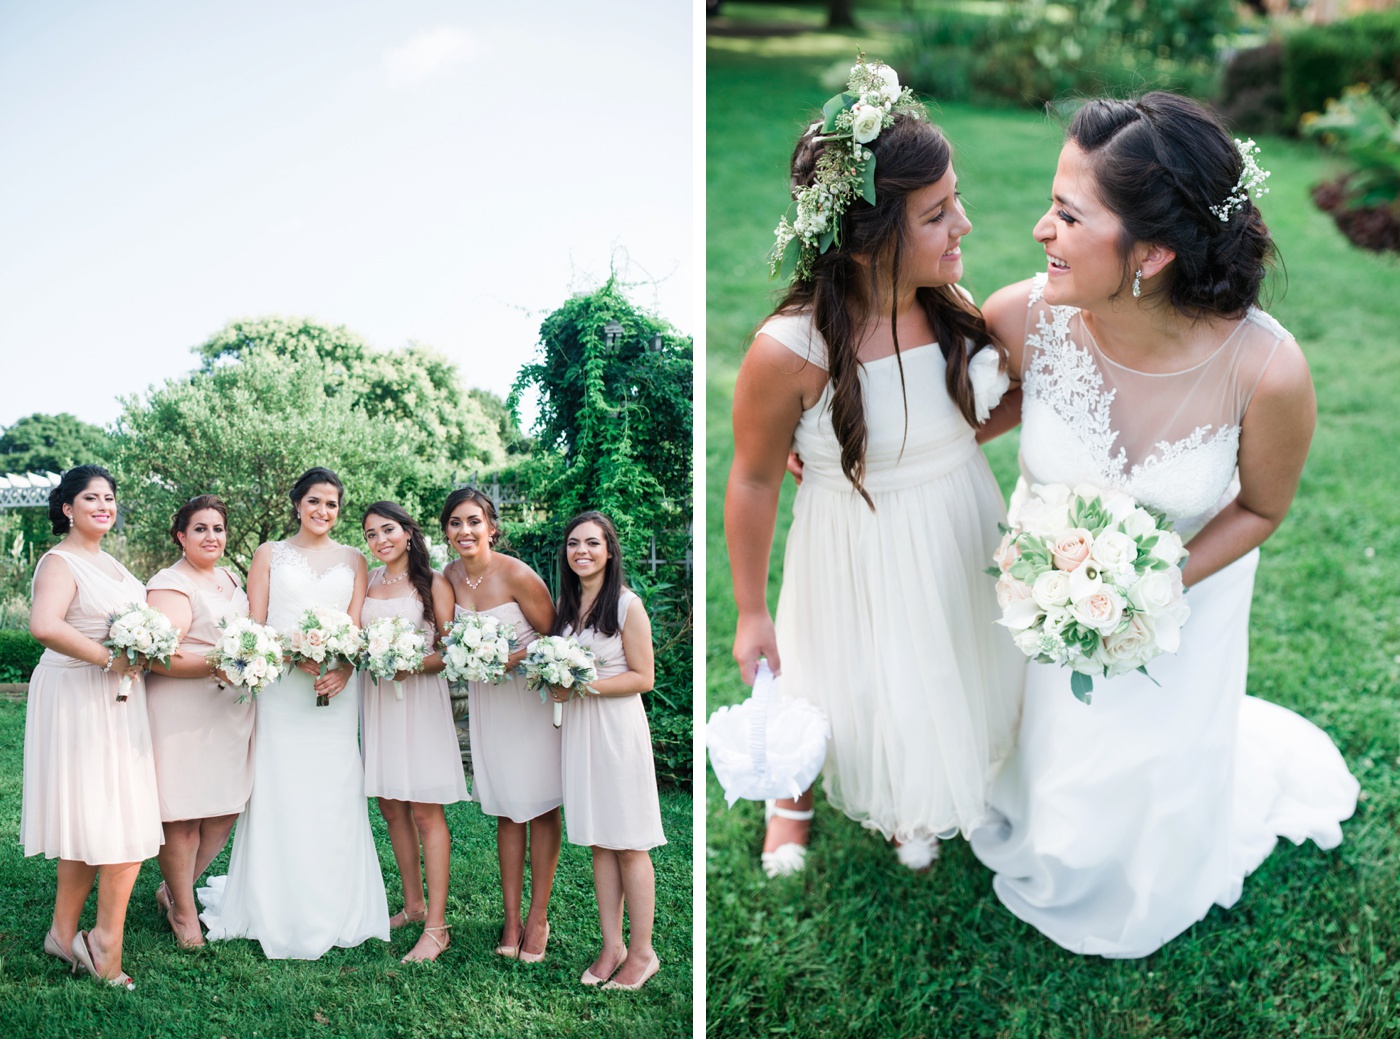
(515, 746)
(202, 736)
(610, 798)
(89, 780)
(412, 761)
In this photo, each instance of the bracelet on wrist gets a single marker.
(111, 659)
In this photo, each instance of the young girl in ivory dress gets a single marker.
(610, 798)
(412, 762)
(878, 371)
(515, 746)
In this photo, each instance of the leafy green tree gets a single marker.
(43, 443)
(245, 431)
(614, 434)
(415, 387)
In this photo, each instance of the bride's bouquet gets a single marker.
(477, 648)
(1090, 580)
(249, 653)
(563, 661)
(139, 630)
(324, 636)
(391, 645)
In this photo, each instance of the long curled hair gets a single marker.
(910, 155)
(420, 563)
(602, 615)
(1160, 163)
(73, 482)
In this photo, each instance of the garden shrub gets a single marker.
(19, 653)
(1251, 92)
(1322, 60)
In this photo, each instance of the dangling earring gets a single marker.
(1137, 284)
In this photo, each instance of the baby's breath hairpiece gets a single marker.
(852, 119)
(1251, 180)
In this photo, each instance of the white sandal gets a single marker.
(785, 859)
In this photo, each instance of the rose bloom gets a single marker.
(1139, 523)
(1071, 548)
(1051, 589)
(1009, 590)
(1101, 611)
(889, 80)
(1007, 553)
(1134, 645)
(866, 121)
(1168, 548)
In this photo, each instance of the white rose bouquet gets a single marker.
(477, 648)
(563, 661)
(139, 630)
(391, 645)
(324, 636)
(1088, 579)
(249, 653)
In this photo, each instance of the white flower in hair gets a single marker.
(866, 121)
(1251, 180)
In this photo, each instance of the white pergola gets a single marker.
(27, 491)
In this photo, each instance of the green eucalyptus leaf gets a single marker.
(867, 185)
(1082, 686)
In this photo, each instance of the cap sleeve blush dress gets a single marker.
(610, 798)
(202, 735)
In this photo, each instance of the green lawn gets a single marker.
(857, 945)
(229, 989)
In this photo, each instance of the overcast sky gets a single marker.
(416, 170)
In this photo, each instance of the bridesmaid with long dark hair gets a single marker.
(201, 734)
(515, 746)
(610, 797)
(89, 779)
(412, 761)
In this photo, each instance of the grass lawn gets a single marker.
(857, 945)
(229, 989)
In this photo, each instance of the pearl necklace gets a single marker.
(474, 585)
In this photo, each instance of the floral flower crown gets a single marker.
(854, 118)
(1251, 180)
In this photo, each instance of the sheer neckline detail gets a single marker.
(1094, 342)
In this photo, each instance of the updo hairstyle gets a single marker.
(474, 494)
(70, 485)
(186, 512)
(309, 479)
(910, 155)
(1160, 163)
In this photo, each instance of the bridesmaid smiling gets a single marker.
(515, 746)
(200, 733)
(412, 761)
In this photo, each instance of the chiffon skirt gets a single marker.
(1120, 823)
(515, 750)
(885, 621)
(410, 745)
(610, 798)
(304, 873)
(89, 774)
(203, 741)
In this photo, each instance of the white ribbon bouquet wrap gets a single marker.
(138, 630)
(563, 661)
(391, 645)
(249, 653)
(769, 746)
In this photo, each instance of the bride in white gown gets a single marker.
(304, 873)
(1120, 823)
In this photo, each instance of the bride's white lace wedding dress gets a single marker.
(304, 873)
(1121, 822)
